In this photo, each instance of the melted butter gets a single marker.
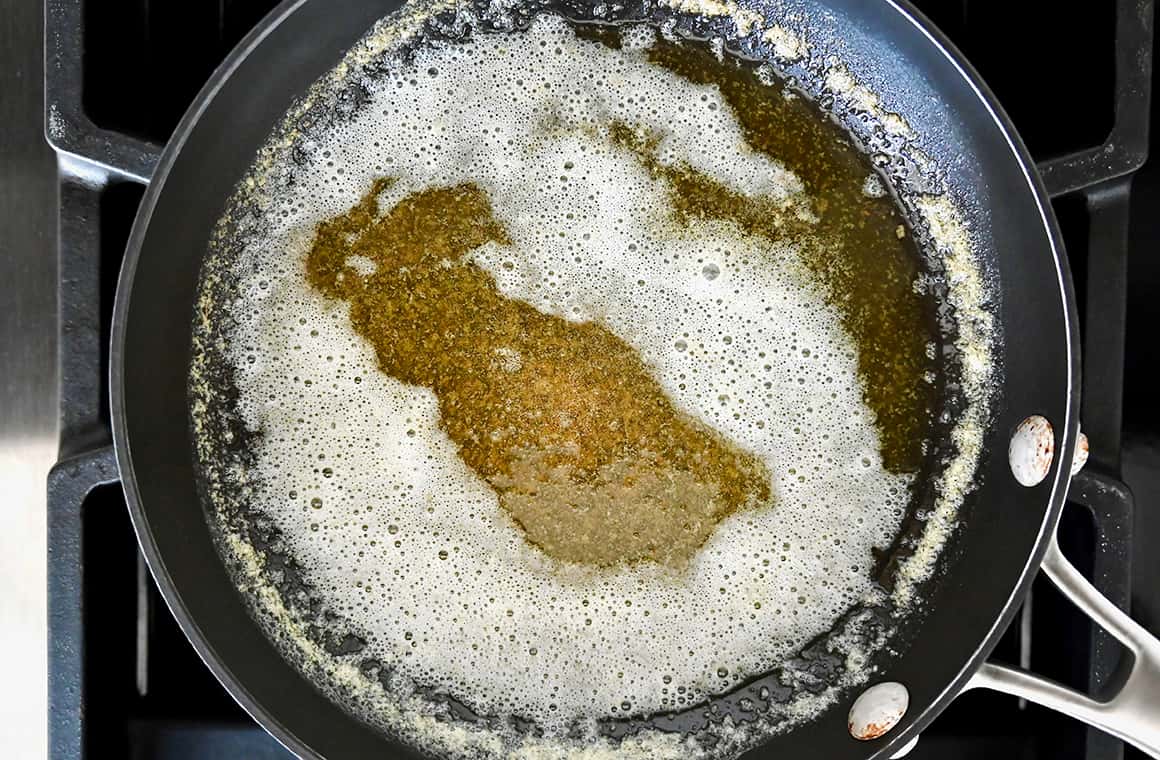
(562, 419)
(860, 249)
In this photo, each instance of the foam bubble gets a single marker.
(872, 187)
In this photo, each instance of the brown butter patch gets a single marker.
(562, 419)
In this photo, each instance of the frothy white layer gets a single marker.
(403, 539)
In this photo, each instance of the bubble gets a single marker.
(873, 187)
(710, 271)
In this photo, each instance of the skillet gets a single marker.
(1007, 532)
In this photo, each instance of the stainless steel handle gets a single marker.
(1132, 712)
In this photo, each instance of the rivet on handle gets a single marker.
(1031, 451)
(906, 748)
(1081, 454)
(877, 710)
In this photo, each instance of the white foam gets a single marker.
(403, 539)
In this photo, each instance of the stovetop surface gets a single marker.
(1069, 77)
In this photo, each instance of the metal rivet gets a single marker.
(906, 748)
(1031, 451)
(877, 710)
(1081, 454)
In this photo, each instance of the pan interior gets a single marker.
(735, 704)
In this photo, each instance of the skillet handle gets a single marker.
(1132, 712)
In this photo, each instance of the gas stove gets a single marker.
(123, 681)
